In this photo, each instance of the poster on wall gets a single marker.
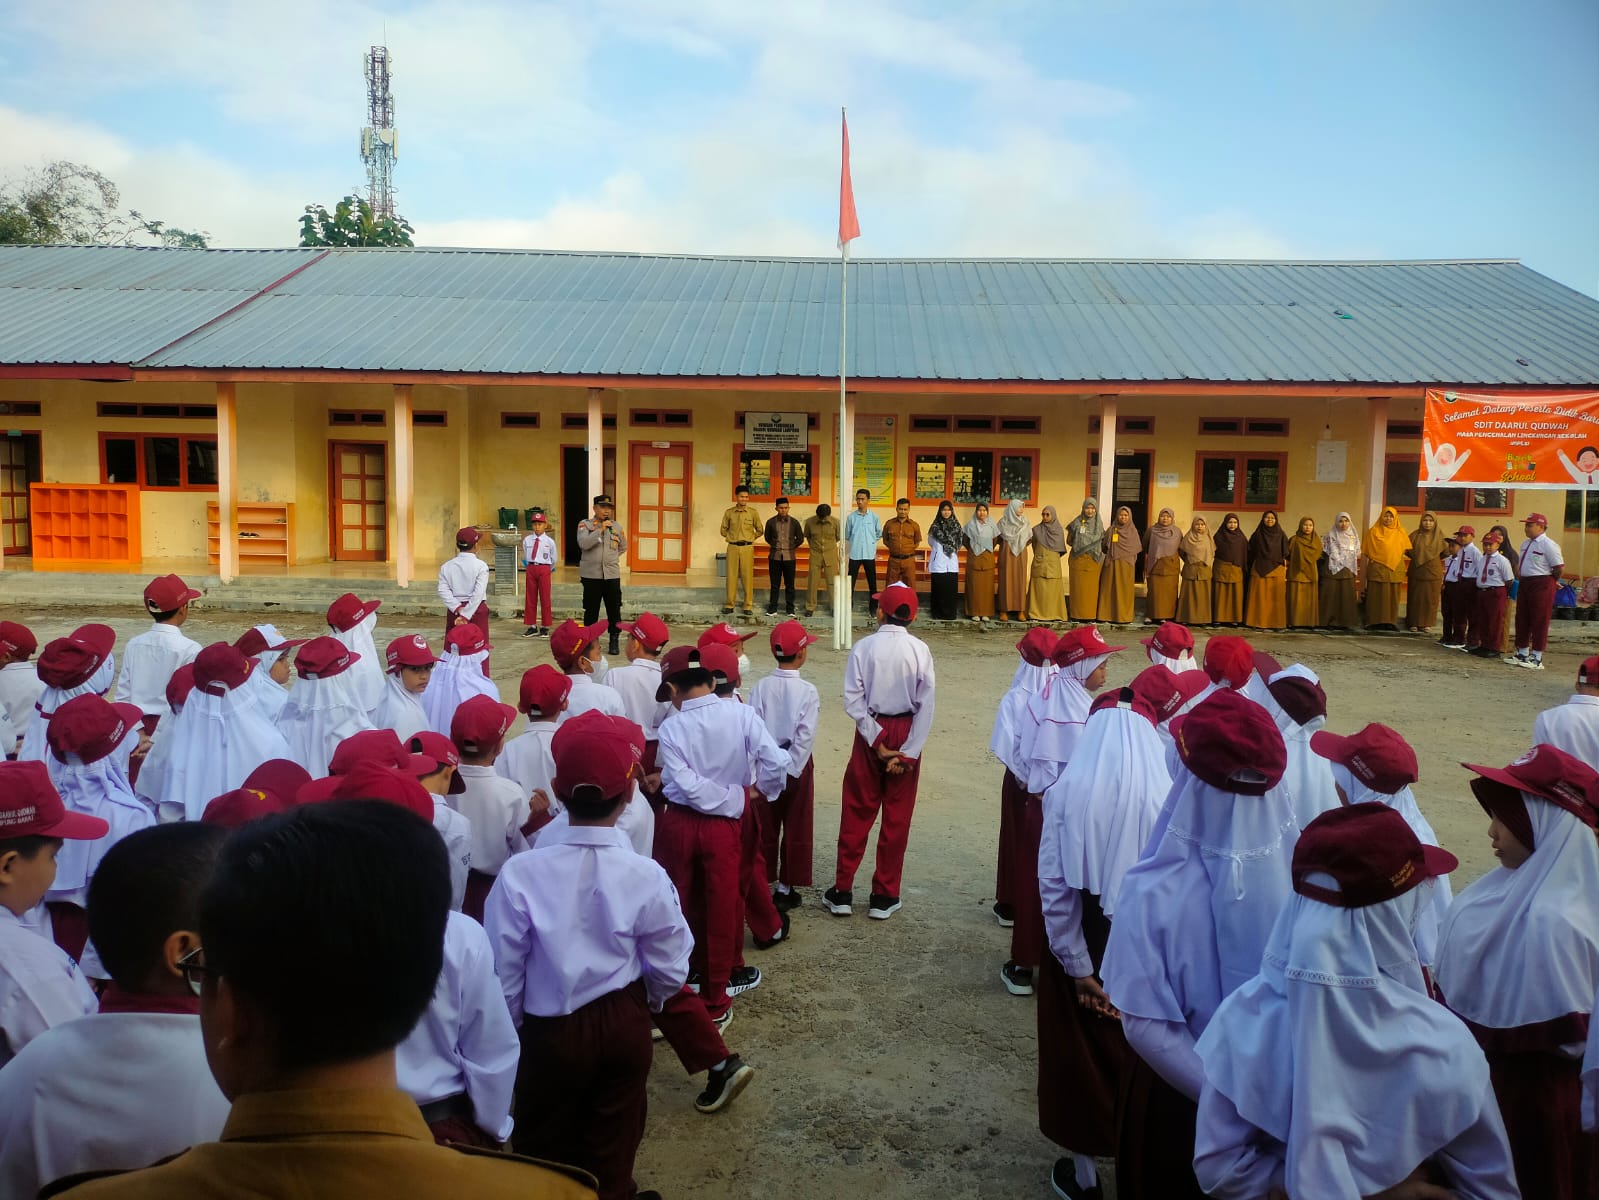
(1472, 439)
(874, 456)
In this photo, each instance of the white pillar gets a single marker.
(1376, 465)
(228, 484)
(1107, 458)
(404, 486)
(596, 443)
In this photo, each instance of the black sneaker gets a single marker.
(1018, 981)
(771, 612)
(530, 631)
(544, 631)
(1005, 914)
(723, 1084)
(743, 979)
(1063, 1180)
(837, 902)
(883, 907)
(780, 936)
(786, 901)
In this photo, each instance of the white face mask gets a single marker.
(743, 665)
(600, 667)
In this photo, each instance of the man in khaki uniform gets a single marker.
(741, 525)
(822, 534)
(902, 535)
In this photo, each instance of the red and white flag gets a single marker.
(849, 225)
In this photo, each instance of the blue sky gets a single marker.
(1367, 129)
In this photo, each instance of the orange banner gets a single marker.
(1482, 440)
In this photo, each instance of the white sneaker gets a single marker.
(1533, 664)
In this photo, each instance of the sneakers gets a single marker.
(723, 1084)
(743, 979)
(883, 907)
(1005, 914)
(1514, 660)
(837, 902)
(1452, 645)
(530, 631)
(1063, 1181)
(772, 612)
(1533, 664)
(723, 1021)
(786, 901)
(655, 1033)
(1018, 981)
(544, 631)
(1483, 652)
(780, 936)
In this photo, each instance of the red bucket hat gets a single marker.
(349, 610)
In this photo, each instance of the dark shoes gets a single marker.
(1018, 980)
(882, 907)
(837, 902)
(1063, 1180)
(723, 1084)
(780, 936)
(786, 901)
(1005, 914)
(743, 979)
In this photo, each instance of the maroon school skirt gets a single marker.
(1154, 1138)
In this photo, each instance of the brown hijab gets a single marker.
(1231, 544)
(1427, 548)
(1268, 545)
(1197, 546)
(1162, 540)
(1122, 542)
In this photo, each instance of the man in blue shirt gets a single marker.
(862, 532)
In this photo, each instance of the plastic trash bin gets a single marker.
(508, 518)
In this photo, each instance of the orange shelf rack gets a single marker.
(79, 526)
(266, 533)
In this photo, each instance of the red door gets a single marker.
(19, 466)
(659, 481)
(357, 501)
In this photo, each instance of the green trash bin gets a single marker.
(508, 518)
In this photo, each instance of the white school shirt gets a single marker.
(791, 707)
(1572, 727)
(104, 1092)
(148, 664)
(20, 689)
(637, 684)
(40, 986)
(636, 822)
(1495, 571)
(463, 583)
(528, 762)
(580, 917)
(708, 751)
(497, 810)
(456, 831)
(1539, 557)
(890, 672)
(586, 695)
(538, 550)
(1464, 563)
(465, 1043)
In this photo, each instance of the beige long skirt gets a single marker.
(1011, 596)
(1046, 597)
(1082, 594)
(1302, 604)
(1266, 606)
(1161, 582)
(1421, 603)
(1116, 596)
(980, 584)
(1193, 602)
(1382, 595)
(1227, 594)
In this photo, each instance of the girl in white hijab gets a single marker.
(410, 672)
(323, 708)
(1296, 701)
(354, 622)
(1058, 713)
(1332, 1073)
(80, 664)
(152, 778)
(1032, 674)
(458, 677)
(269, 681)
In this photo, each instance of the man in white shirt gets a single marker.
(538, 557)
(888, 693)
(20, 685)
(1574, 725)
(1539, 576)
(149, 659)
(1460, 589)
(464, 584)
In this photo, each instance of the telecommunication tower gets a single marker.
(379, 143)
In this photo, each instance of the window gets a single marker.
(196, 412)
(1404, 430)
(772, 473)
(1246, 426)
(581, 421)
(1401, 474)
(1574, 510)
(178, 463)
(930, 424)
(1125, 425)
(1240, 481)
(436, 418)
(20, 408)
(973, 423)
(357, 416)
(970, 476)
(1466, 500)
(663, 418)
(519, 420)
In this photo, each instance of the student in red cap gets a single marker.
(1494, 578)
(888, 693)
(20, 685)
(539, 559)
(77, 665)
(458, 676)
(324, 708)
(1297, 703)
(1538, 567)
(636, 683)
(527, 760)
(1519, 961)
(498, 809)
(576, 650)
(1337, 1034)
(1192, 920)
(1004, 743)
(354, 623)
(464, 584)
(723, 634)
(1228, 662)
(1171, 646)
(84, 736)
(791, 708)
(410, 669)
(1097, 818)
(589, 939)
(272, 654)
(1462, 565)
(149, 659)
(436, 763)
(1574, 725)
(40, 985)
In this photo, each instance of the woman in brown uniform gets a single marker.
(1162, 568)
(1342, 548)
(1197, 552)
(1304, 570)
(1382, 556)
(980, 534)
(1086, 538)
(1014, 535)
(1266, 605)
(1227, 577)
(1046, 595)
(1122, 548)
(1426, 575)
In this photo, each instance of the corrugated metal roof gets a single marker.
(621, 315)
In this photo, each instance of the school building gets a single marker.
(300, 409)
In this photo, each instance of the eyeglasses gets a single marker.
(195, 969)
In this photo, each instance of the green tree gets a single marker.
(69, 203)
(352, 223)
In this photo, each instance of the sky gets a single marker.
(1392, 129)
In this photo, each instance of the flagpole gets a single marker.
(843, 602)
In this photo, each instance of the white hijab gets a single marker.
(320, 714)
(99, 789)
(269, 693)
(1102, 808)
(1054, 723)
(1004, 742)
(36, 743)
(456, 679)
(367, 672)
(1308, 779)
(153, 774)
(1184, 661)
(400, 710)
(1354, 1045)
(214, 744)
(1522, 947)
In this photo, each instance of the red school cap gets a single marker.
(1377, 756)
(598, 751)
(1231, 743)
(427, 744)
(1536, 519)
(569, 639)
(90, 727)
(649, 629)
(167, 593)
(543, 688)
(1037, 645)
(323, 658)
(221, 668)
(1128, 698)
(898, 600)
(1588, 672)
(1372, 853)
(243, 805)
(678, 659)
(1264, 665)
(1191, 683)
(480, 724)
(71, 661)
(1157, 687)
(789, 638)
(373, 781)
(349, 610)
(1302, 699)
(254, 642)
(467, 535)
(282, 777)
(1080, 643)
(1546, 772)
(723, 634)
(179, 686)
(379, 746)
(1471, 529)
(410, 650)
(1229, 659)
(721, 661)
(17, 639)
(30, 806)
(1170, 640)
(466, 639)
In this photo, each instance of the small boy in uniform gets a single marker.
(1574, 725)
(576, 649)
(149, 659)
(464, 585)
(1460, 588)
(442, 782)
(20, 685)
(498, 809)
(637, 683)
(1488, 613)
(791, 708)
(526, 760)
(538, 556)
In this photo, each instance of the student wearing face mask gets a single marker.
(577, 652)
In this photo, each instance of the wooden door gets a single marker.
(659, 491)
(357, 501)
(19, 466)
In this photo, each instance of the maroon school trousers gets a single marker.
(760, 914)
(478, 886)
(791, 819)
(1459, 598)
(1012, 796)
(1535, 604)
(538, 596)
(1027, 935)
(690, 1033)
(581, 1088)
(868, 788)
(1488, 619)
(701, 855)
(648, 766)
(69, 926)
(478, 617)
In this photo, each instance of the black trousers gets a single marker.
(608, 592)
(781, 574)
(855, 565)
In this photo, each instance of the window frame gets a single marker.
(430, 418)
(1239, 460)
(580, 420)
(776, 474)
(155, 411)
(947, 453)
(1593, 511)
(514, 419)
(1415, 460)
(141, 457)
(358, 418)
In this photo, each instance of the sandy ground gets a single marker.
(890, 1060)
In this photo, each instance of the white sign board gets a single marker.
(1331, 460)
(777, 431)
(1165, 478)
